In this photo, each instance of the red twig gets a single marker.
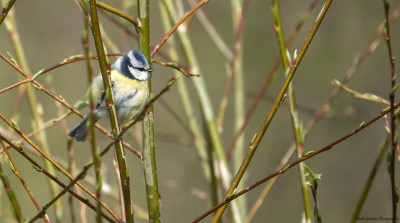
(172, 30)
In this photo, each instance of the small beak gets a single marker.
(150, 69)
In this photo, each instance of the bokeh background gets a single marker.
(51, 31)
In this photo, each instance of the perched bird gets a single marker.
(130, 88)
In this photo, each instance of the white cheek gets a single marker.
(140, 75)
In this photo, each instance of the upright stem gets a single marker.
(237, 69)
(91, 134)
(391, 167)
(122, 165)
(297, 129)
(15, 207)
(149, 153)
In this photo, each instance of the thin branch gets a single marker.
(118, 13)
(176, 67)
(15, 207)
(5, 10)
(391, 160)
(180, 21)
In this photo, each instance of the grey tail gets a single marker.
(79, 132)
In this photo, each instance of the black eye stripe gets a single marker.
(140, 68)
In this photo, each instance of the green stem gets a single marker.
(118, 13)
(238, 155)
(6, 9)
(370, 180)
(91, 133)
(391, 162)
(149, 149)
(122, 165)
(257, 139)
(16, 208)
(199, 141)
(297, 129)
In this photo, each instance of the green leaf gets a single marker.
(361, 126)
(275, 13)
(389, 159)
(36, 167)
(286, 168)
(308, 153)
(38, 74)
(14, 123)
(230, 196)
(81, 104)
(315, 211)
(99, 183)
(172, 64)
(336, 82)
(253, 139)
(12, 58)
(10, 164)
(394, 89)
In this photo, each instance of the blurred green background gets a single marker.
(51, 31)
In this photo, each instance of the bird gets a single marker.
(129, 75)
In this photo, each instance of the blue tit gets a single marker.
(130, 88)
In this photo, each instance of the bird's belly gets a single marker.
(129, 105)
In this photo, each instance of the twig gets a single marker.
(15, 207)
(392, 154)
(5, 10)
(176, 67)
(365, 96)
(236, 50)
(212, 32)
(180, 21)
(118, 13)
